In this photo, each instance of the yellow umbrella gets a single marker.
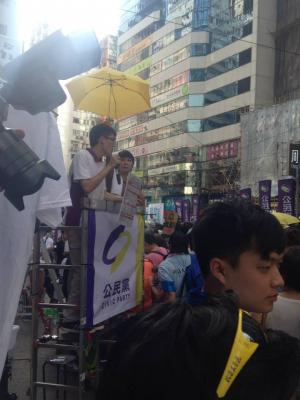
(110, 93)
(285, 219)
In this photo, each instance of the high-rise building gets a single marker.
(109, 51)
(287, 71)
(207, 62)
(10, 45)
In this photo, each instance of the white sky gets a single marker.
(70, 15)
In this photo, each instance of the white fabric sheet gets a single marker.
(17, 227)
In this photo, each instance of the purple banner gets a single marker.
(245, 193)
(286, 195)
(195, 207)
(264, 194)
(178, 208)
(186, 210)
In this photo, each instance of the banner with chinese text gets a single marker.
(286, 195)
(246, 193)
(264, 194)
(115, 255)
(186, 210)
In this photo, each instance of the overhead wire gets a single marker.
(240, 39)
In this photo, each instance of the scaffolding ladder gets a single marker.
(37, 344)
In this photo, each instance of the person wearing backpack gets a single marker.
(179, 272)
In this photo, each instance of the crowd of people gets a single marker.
(250, 266)
(241, 340)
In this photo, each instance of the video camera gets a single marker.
(31, 83)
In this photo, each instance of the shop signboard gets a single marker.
(172, 168)
(139, 67)
(173, 94)
(155, 213)
(222, 150)
(133, 131)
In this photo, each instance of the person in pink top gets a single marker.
(155, 253)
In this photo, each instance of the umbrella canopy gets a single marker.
(110, 93)
(285, 219)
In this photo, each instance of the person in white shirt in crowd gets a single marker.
(285, 315)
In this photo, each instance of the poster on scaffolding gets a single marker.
(115, 255)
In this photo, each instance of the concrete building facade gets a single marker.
(207, 62)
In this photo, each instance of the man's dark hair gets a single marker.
(149, 237)
(290, 268)
(100, 130)
(292, 236)
(226, 230)
(177, 350)
(126, 154)
(179, 243)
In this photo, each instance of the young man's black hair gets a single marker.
(149, 237)
(228, 229)
(179, 243)
(98, 131)
(239, 247)
(290, 268)
(178, 352)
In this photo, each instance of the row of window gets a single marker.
(177, 156)
(193, 100)
(189, 126)
(202, 74)
(152, 136)
(225, 24)
(178, 178)
(194, 50)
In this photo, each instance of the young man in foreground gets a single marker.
(239, 247)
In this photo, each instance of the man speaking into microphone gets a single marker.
(88, 173)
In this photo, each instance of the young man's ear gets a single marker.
(218, 269)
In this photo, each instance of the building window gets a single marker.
(194, 125)
(244, 85)
(248, 6)
(245, 57)
(228, 64)
(199, 49)
(228, 91)
(247, 29)
(196, 100)
(197, 75)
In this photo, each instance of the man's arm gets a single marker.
(88, 185)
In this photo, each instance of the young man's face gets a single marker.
(254, 280)
(126, 165)
(107, 144)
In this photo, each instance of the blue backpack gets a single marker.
(193, 283)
